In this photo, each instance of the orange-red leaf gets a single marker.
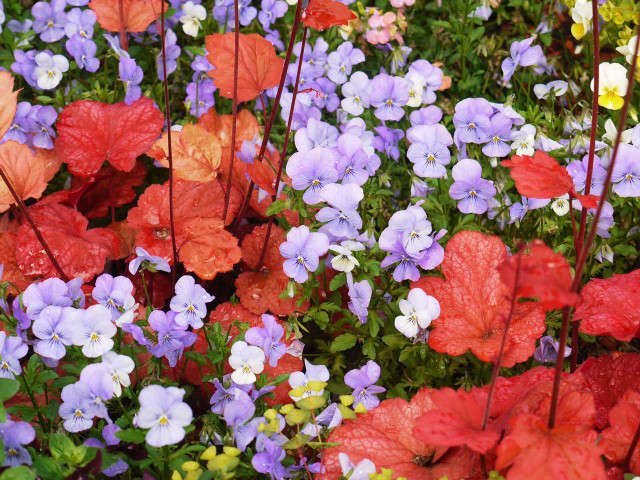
(624, 419)
(456, 420)
(138, 14)
(259, 67)
(539, 176)
(543, 274)
(564, 452)
(611, 307)
(92, 132)
(26, 173)
(322, 14)
(474, 303)
(8, 102)
(11, 272)
(80, 252)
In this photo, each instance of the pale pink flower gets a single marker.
(380, 27)
(402, 3)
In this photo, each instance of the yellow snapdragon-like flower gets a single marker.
(613, 85)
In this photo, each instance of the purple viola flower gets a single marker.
(54, 330)
(148, 262)
(342, 61)
(359, 298)
(312, 171)
(342, 213)
(78, 3)
(14, 435)
(312, 373)
(40, 295)
(426, 116)
(98, 378)
(302, 251)
(200, 95)
(522, 54)
(12, 349)
(164, 413)
(387, 141)
(76, 294)
(356, 94)
(83, 51)
(352, 160)
(547, 351)
(224, 11)
(316, 134)
(131, 75)
(25, 65)
(112, 293)
(428, 151)
(80, 22)
(307, 75)
(50, 20)
(41, 120)
(432, 79)
(325, 95)
(411, 227)
(77, 408)
(362, 381)
(222, 396)
(316, 56)
(172, 52)
(498, 132)
(407, 264)
(470, 188)
(236, 415)
(273, 37)
(24, 322)
(248, 150)
(518, 210)
(329, 418)
(190, 303)
(578, 171)
(471, 119)
(626, 171)
(21, 124)
(269, 460)
(388, 96)
(304, 109)
(271, 11)
(268, 338)
(172, 338)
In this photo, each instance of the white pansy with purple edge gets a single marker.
(164, 413)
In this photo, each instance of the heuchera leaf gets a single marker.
(611, 307)
(323, 14)
(474, 303)
(624, 419)
(456, 420)
(26, 173)
(11, 272)
(127, 236)
(8, 102)
(80, 252)
(196, 153)
(138, 14)
(384, 437)
(221, 125)
(92, 132)
(543, 274)
(607, 378)
(541, 176)
(259, 67)
(51, 161)
(566, 451)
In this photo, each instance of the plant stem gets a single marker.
(632, 447)
(33, 401)
(146, 292)
(23, 210)
(285, 145)
(234, 125)
(167, 113)
(123, 29)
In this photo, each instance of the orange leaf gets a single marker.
(322, 14)
(138, 14)
(8, 102)
(259, 67)
(25, 172)
(196, 153)
(51, 161)
(11, 272)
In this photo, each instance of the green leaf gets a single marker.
(275, 208)
(346, 412)
(51, 410)
(48, 469)
(296, 442)
(280, 379)
(1, 452)
(64, 451)
(313, 402)
(343, 342)
(18, 473)
(625, 249)
(369, 348)
(197, 357)
(338, 281)
(394, 340)
(8, 388)
(131, 435)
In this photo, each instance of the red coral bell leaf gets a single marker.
(259, 67)
(474, 303)
(456, 421)
(25, 172)
(607, 378)
(323, 14)
(543, 274)
(138, 14)
(8, 102)
(226, 313)
(611, 307)
(624, 420)
(80, 252)
(92, 132)
(563, 452)
(11, 272)
(383, 437)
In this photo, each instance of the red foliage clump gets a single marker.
(611, 307)
(11, 272)
(91, 133)
(137, 14)
(624, 419)
(323, 14)
(474, 303)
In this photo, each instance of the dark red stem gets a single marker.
(123, 28)
(167, 113)
(272, 117)
(23, 210)
(632, 448)
(234, 125)
(285, 145)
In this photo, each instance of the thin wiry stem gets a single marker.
(584, 252)
(234, 125)
(23, 210)
(123, 29)
(167, 113)
(632, 447)
(272, 117)
(285, 145)
(592, 147)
